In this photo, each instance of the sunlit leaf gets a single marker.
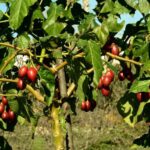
(18, 10)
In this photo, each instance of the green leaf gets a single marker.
(1, 14)
(5, 54)
(145, 67)
(119, 8)
(93, 52)
(51, 26)
(82, 87)
(113, 25)
(47, 80)
(144, 6)
(130, 109)
(55, 28)
(87, 24)
(23, 41)
(21, 120)
(133, 4)
(18, 10)
(14, 105)
(108, 6)
(140, 86)
(102, 33)
(4, 1)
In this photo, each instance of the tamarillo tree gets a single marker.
(61, 55)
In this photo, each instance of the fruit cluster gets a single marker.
(5, 112)
(88, 105)
(141, 96)
(105, 81)
(30, 73)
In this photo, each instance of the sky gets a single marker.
(92, 4)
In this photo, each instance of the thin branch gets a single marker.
(124, 59)
(4, 21)
(35, 93)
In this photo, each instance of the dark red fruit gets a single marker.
(21, 84)
(11, 115)
(110, 74)
(88, 105)
(5, 115)
(129, 76)
(32, 74)
(22, 71)
(114, 49)
(100, 84)
(2, 107)
(93, 105)
(105, 91)
(83, 105)
(121, 75)
(106, 81)
(139, 96)
(4, 100)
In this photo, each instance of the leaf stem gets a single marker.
(42, 54)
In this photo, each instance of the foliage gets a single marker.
(41, 33)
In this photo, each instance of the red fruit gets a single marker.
(110, 74)
(121, 75)
(148, 95)
(106, 81)
(20, 84)
(83, 105)
(139, 96)
(22, 71)
(4, 100)
(105, 91)
(5, 115)
(100, 84)
(32, 74)
(11, 115)
(2, 107)
(88, 105)
(114, 49)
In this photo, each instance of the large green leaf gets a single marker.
(102, 33)
(140, 86)
(23, 41)
(112, 24)
(93, 55)
(108, 6)
(87, 24)
(18, 10)
(119, 8)
(131, 109)
(82, 87)
(144, 6)
(48, 83)
(55, 28)
(51, 26)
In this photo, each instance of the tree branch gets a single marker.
(63, 94)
